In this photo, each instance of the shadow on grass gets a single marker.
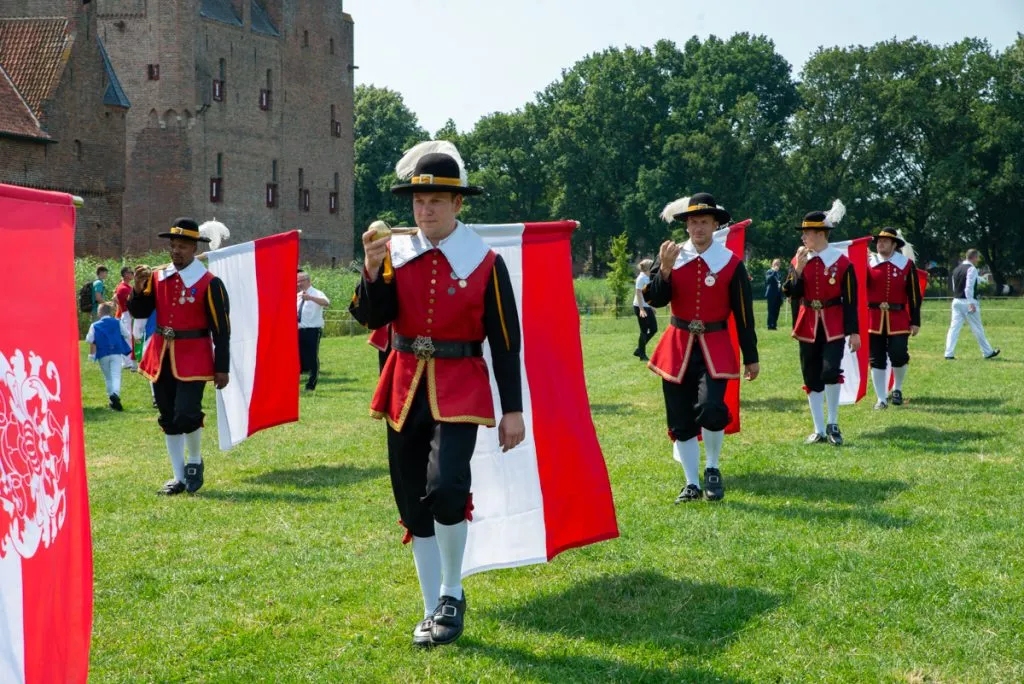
(959, 405)
(780, 404)
(829, 516)
(98, 414)
(836, 490)
(330, 379)
(248, 496)
(644, 607)
(529, 666)
(928, 439)
(612, 409)
(318, 477)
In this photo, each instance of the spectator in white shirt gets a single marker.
(310, 304)
(966, 307)
(644, 311)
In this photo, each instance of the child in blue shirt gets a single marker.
(107, 344)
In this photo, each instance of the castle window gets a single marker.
(218, 83)
(335, 125)
(332, 46)
(305, 39)
(216, 189)
(271, 195)
(78, 150)
(153, 72)
(265, 92)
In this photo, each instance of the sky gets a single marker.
(464, 59)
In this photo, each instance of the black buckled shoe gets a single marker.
(421, 633)
(447, 620)
(896, 398)
(115, 403)
(714, 487)
(171, 487)
(815, 438)
(689, 493)
(994, 354)
(193, 477)
(881, 405)
(835, 438)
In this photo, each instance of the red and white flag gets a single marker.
(263, 389)
(45, 545)
(922, 281)
(734, 238)
(551, 493)
(855, 364)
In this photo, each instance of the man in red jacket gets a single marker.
(705, 284)
(190, 347)
(824, 282)
(894, 308)
(443, 291)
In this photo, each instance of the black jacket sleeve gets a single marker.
(501, 325)
(142, 304)
(849, 297)
(914, 295)
(794, 285)
(743, 312)
(217, 311)
(375, 304)
(658, 292)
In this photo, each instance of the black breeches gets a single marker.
(430, 471)
(648, 327)
(697, 402)
(821, 362)
(893, 346)
(180, 401)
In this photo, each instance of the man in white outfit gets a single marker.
(966, 307)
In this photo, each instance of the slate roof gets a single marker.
(261, 22)
(115, 94)
(220, 10)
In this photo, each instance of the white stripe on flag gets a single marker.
(12, 619)
(507, 529)
(236, 266)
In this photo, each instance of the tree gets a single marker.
(620, 277)
(384, 129)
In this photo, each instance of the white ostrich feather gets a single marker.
(216, 231)
(908, 249)
(835, 214)
(407, 164)
(674, 207)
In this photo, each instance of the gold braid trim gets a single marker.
(501, 310)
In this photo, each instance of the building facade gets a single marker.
(241, 111)
(63, 114)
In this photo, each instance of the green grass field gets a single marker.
(898, 557)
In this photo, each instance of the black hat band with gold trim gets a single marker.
(430, 179)
(178, 231)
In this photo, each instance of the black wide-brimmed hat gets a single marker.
(185, 229)
(893, 234)
(433, 166)
(696, 205)
(824, 220)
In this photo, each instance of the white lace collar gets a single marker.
(716, 256)
(463, 248)
(897, 259)
(828, 256)
(190, 275)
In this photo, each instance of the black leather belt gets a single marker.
(818, 304)
(172, 334)
(426, 347)
(699, 327)
(885, 306)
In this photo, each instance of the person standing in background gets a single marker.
(98, 290)
(773, 293)
(644, 311)
(310, 304)
(107, 344)
(121, 293)
(966, 307)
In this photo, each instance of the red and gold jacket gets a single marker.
(894, 295)
(194, 305)
(827, 291)
(456, 292)
(704, 290)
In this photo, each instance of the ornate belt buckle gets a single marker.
(817, 304)
(168, 333)
(696, 327)
(423, 347)
(884, 306)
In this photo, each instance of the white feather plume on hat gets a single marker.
(406, 166)
(216, 231)
(908, 249)
(674, 207)
(834, 215)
